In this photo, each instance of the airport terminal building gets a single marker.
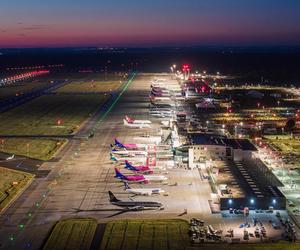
(238, 178)
(205, 147)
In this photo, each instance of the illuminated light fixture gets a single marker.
(252, 201)
(230, 201)
(185, 67)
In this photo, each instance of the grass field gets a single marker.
(246, 100)
(89, 76)
(93, 82)
(8, 189)
(261, 246)
(90, 86)
(146, 234)
(40, 116)
(72, 234)
(61, 114)
(41, 149)
(288, 146)
(22, 87)
(244, 116)
(284, 143)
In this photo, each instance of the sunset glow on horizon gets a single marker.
(148, 23)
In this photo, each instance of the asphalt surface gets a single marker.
(78, 182)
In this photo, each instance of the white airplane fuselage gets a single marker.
(131, 152)
(134, 125)
(156, 177)
(141, 122)
(145, 191)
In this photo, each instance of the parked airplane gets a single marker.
(142, 191)
(139, 178)
(130, 178)
(145, 169)
(128, 145)
(138, 158)
(159, 99)
(161, 111)
(132, 125)
(131, 153)
(153, 139)
(163, 80)
(163, 115)
(133, 121)
(114, 158)
(156, 177)
(161, 90)
(157, 87)
(154, 94)
(162, 105)
(133, 205)
(128, 148)
(10, 157)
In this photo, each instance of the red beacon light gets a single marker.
(185, 67)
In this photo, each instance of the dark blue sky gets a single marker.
(34, 23)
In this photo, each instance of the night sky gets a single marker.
(37, 23)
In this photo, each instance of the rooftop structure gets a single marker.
(241, 184)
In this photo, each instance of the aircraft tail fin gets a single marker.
(112, 157)
(119, 144)
(128, 165)
(126, 185)
(128, 119)
(119, 174)
(112, 197)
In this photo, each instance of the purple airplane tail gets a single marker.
(129, 166)
(119, 174)
(119, 144)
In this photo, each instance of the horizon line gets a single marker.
(156, 47)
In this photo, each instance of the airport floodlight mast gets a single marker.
(173, 68)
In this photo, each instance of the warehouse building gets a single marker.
(204, 147)
(242, 184)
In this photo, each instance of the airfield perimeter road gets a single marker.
(77, 184)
